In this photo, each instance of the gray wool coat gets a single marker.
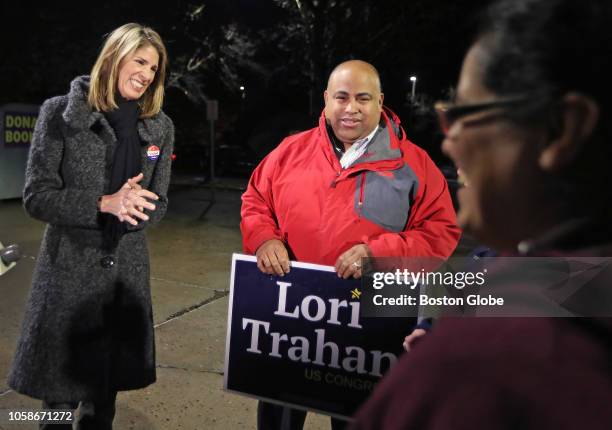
(88, 325)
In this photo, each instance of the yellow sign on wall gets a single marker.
(18, 128)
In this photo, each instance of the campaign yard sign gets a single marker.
(299, 339)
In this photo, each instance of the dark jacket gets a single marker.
(505, 373)
(499, 373)
(88, 325)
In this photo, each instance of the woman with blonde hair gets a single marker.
(97, 174)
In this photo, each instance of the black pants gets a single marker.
(275, 417)
(96, 415)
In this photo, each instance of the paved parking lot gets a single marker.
(190, 262)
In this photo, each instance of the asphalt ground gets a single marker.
(190, 264)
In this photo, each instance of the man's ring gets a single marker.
(357, 265)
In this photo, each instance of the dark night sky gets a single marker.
(44, 46)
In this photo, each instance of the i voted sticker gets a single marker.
(152, 152)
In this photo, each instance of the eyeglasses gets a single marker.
(449, 113)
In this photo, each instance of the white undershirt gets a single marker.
(356, 150)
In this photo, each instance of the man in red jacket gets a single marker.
(350, 188)
(353, 187)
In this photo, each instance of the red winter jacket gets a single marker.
(393, 198)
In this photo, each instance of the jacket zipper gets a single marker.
(361, 193)
(335, 180)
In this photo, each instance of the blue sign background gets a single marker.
(306, 385)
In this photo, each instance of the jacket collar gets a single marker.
(78, 114)
(384, 146)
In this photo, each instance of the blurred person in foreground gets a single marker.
(97, 174)
(351, 188)
(531, 134)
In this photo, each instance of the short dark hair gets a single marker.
(559, 45)
(555, 46)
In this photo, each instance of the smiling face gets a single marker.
(353, 101)
(498, 162)
(137, 72)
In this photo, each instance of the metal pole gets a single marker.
(212, 114)
(212, 150)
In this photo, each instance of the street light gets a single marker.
(413, 79)
(242, 91)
